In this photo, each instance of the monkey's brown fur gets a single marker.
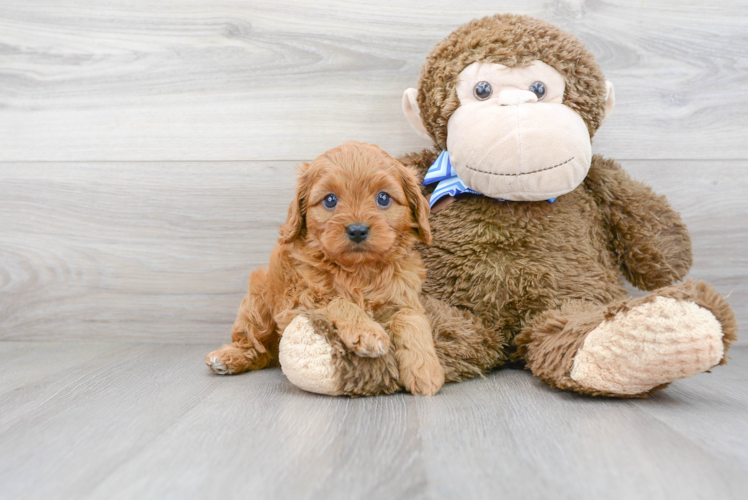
(364, 295)
(530, 280)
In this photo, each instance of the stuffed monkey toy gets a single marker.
(532, 233)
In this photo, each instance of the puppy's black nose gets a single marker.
(357, 232)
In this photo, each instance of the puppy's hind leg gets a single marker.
(254, 338)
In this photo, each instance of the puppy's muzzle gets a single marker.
(357, 232)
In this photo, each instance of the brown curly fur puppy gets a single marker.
(345, 255)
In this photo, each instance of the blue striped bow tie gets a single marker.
(450, 184)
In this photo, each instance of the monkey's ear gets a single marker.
(296, 221)
(413, 114)
(417, 203)
(610, 98)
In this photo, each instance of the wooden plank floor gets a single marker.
(136, 420)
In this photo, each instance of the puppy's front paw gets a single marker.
(420, 376)
(367, 340)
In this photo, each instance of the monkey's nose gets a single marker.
(515, 97)
(357, 232)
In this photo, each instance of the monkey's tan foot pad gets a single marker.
(306, 359)
(651, 344)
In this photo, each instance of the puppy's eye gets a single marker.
(384, 200)
(482, 91)
(538, 88)
(330, 201)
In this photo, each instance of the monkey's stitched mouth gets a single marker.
(522, 173)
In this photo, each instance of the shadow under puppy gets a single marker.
(345, 266)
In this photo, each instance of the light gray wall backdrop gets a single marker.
(147, 148)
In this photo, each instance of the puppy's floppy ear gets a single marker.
(419, 206)
(295, 225)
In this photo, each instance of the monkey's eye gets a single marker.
(538, 88)
(482, 91)
(384, 200)
(330, 201)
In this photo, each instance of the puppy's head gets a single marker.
(358, 204)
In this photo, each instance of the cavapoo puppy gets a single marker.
(345, 252)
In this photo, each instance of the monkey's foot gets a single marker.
(651, 344)
(314, 359)
(632, 347)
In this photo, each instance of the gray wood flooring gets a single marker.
(117, 420)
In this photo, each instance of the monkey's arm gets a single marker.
(648, 237)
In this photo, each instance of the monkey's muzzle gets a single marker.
(519, 152)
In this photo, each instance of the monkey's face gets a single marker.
(512, 137)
